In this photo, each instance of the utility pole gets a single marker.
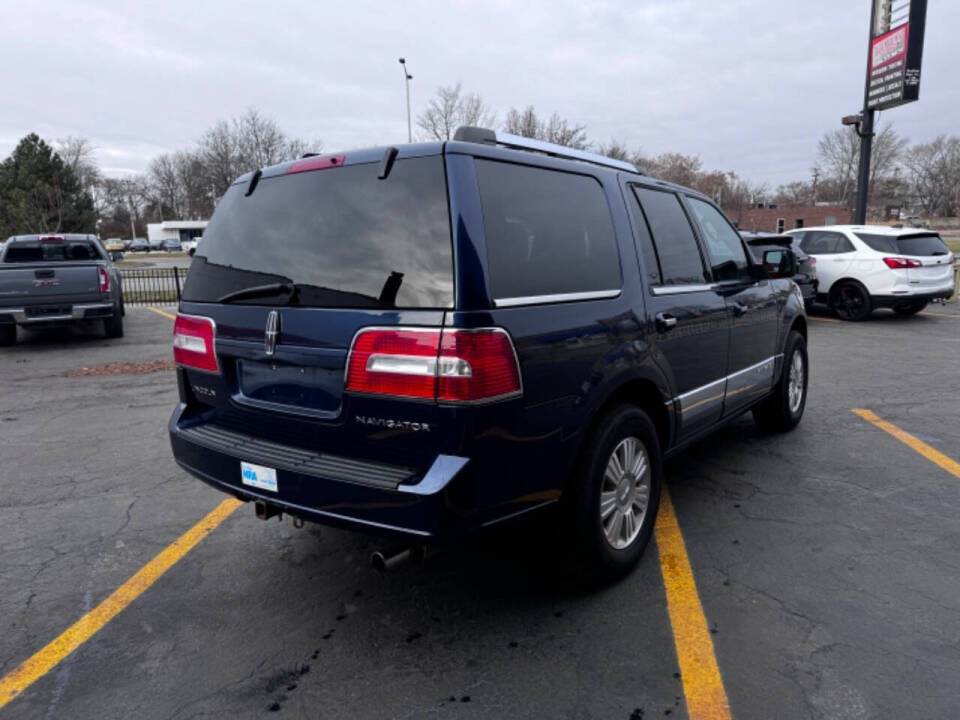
(407, 77)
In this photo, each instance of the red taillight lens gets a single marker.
(104, 279)
(458, 366)
(477, 365)
(394, 362)
(193, 343)
(897, 263)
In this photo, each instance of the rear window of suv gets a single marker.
(919, 244)
(548, 233)
(342, 236)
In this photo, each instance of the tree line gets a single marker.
(59, 187)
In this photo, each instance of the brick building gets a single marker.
(781, 218)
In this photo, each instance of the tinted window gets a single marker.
(673, 238)
(547, 232)
(52, 251)
(724, 246)
(921, 244)
(648, 254)
(343, 236)
(825, 243)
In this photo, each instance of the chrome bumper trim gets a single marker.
(77, 312)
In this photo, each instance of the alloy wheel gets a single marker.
(625, 493)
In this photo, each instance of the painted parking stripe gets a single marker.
(74, 636)
(931, 454)
(702, 684)
(158, 311)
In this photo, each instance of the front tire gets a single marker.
(851, 301)
(910, 308)
(783, 409)
(8, 335)
(615, 494)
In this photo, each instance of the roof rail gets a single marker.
(468, 133)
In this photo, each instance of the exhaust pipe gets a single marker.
(265, 511)
(391, 559)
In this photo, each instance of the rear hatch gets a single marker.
(929, 260)
(49, 271)
(293, 264)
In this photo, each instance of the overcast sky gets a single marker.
(749, 86)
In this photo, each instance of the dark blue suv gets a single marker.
(430, 339)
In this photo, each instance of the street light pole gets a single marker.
(407, 77)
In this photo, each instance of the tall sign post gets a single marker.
(893, 75)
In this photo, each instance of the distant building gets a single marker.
(772, 218)
(181, 230)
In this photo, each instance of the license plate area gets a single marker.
(307, 389)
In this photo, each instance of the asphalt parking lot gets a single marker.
(826, 562)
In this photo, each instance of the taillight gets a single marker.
(104, 279)
(456, 366)
(812, 260)
(476, 365)
(897, 263)
(193, 342)
(320, 162)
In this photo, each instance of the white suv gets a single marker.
(862, 267)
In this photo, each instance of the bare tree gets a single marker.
(798, 192)
(79, 155)
(934, 172)
(450, 109)
(676, 168)
(554, 129)
(617, 150)
(838, 159)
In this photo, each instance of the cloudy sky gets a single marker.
(749, 86)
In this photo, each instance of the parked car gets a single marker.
(864, 267)
(190, 246)
(172, 245)
(806, 276)
(427, 340)
(57, 279)
(139, 245)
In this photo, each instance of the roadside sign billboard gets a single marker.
(896, 51)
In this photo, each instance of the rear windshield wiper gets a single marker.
(261, 291)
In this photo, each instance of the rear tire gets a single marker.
(8, 335)
(612, 511)
(783, 409)
(910, 308)
(113, 326)
(850, 301)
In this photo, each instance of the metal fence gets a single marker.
(151, 286)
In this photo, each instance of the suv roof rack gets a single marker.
(469, 133)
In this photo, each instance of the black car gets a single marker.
(806, 275)
(427, 340)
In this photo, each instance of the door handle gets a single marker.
(739, 309)
(665, 321)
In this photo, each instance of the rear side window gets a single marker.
(727, 256)
(825, 243)
(342, 236)
(547, 232)
(676, 246)
(921, 244)
(51, 251)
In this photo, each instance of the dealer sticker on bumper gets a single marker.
(258, 476)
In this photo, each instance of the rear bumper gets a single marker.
(893, 300)
(84, 311)
(435, 504)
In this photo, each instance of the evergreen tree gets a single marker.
(39, 193)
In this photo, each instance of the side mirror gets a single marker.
(780, 263)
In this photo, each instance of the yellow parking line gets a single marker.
(158, 311)
(822, 319)
(931, 454)
(74, 636)
(702, 684)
